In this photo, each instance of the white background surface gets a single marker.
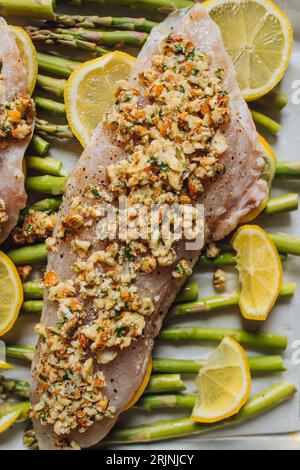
(284, 319)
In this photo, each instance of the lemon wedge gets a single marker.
(8, 420)
(89, 93)
(268, 174)
(260, 271)
(269, 159)
(223, 384)
(259, 39)
(142, 388)
(28, 55)
(11, 294)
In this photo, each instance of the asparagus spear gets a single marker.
(56, 65)
(50, 106)
(45, 165)
(46, 184)
(266, 123)
(276, 205)
(255, 406)
(35, 9)
(101, 38)
(67, 39)
(190, 366)
(189, 291)
(208, 304)
(288, 170)
(178, 400)
(55, 130)
(29, 439)
(22, 407)
(54, 86)
(28, 254)
(224, 259)
(20, 352)
(49, 204)
(157, 384)
(164, 383)
(90, 22)
(171, 367)
(33, 289)
(274, 99)
(32, 306)
(39, 145)
(257, 340)
(228, 299)
(15, 387)
(286, 243)
(156, 6)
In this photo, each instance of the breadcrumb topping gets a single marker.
(174, 144)
(3, 213)
(220, 279)
(16, 118)
(37, 225)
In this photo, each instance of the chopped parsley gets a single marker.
(218, 74)
(119, 331)
(180, 270)
(67, 374)
(180, 50)
(95, 193)
(43, 378)
(43, 417)
(191, 55)
(164, 166)
(155, 161)
(128, 97)
(127, 253)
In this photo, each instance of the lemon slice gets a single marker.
(11, 294)
(28, 55)
(267, 174)
(89, 93)
(223, 384)
(8, 420)
(5, 366)
(260, 271)
(259, 39)
(142, 388)
(269, 159)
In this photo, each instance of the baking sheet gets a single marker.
(283, 320)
